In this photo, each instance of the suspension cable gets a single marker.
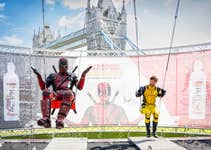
(81, 51)
(171, 42)
(137, 41)
(170, 48)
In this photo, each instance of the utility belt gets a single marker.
(143, 105)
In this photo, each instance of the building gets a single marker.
(105, 29)
(105, 18)
(42, 38)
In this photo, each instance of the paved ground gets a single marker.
(67, 144)
(155, 144)
(203, 144)
(23, 146)
(121, 145)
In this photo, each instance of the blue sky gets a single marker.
(18, 19)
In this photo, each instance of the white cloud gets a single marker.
(168, 2)
(131, 30)
(74, 4)
(154, 29)
(2, 16)
(71, 22)
(50, 2)
(2, 6)
(146, 11)
(118, 3)
(11, 40)
(150, 36)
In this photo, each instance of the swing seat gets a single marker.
(55, 104)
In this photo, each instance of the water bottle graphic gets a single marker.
(11, 94)
(197, 92)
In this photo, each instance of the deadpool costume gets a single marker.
(62, 84)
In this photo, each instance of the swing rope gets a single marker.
(137, 41)
(170, 49)
(43, 36)
(80, 56)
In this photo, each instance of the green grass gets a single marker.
(98, 135)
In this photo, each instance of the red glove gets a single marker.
(40, 80)
(86, 71)
(82, 79)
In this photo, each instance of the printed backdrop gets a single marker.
(109, 98)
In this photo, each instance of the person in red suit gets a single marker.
(62, 84)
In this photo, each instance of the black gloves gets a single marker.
(35, 71)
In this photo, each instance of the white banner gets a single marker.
(11, 94)
(108, 97)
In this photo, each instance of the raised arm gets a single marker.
(41, 82)
(79, 84)
(39, 78)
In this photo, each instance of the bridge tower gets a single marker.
(42, 38)
(104, 17)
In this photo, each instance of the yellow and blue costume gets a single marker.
(150, 93)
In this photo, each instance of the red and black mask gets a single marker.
(104, 92)
(63, 65)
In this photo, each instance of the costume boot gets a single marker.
(148, 130)
(155, 124)
(45, 108)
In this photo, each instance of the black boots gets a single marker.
(148, 129)
(46, 122)
(154, 129)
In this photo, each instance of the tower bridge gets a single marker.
(105, 29)
(71, 41)
(7, 49)
(104, 33)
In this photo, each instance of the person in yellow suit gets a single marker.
(150, 93)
